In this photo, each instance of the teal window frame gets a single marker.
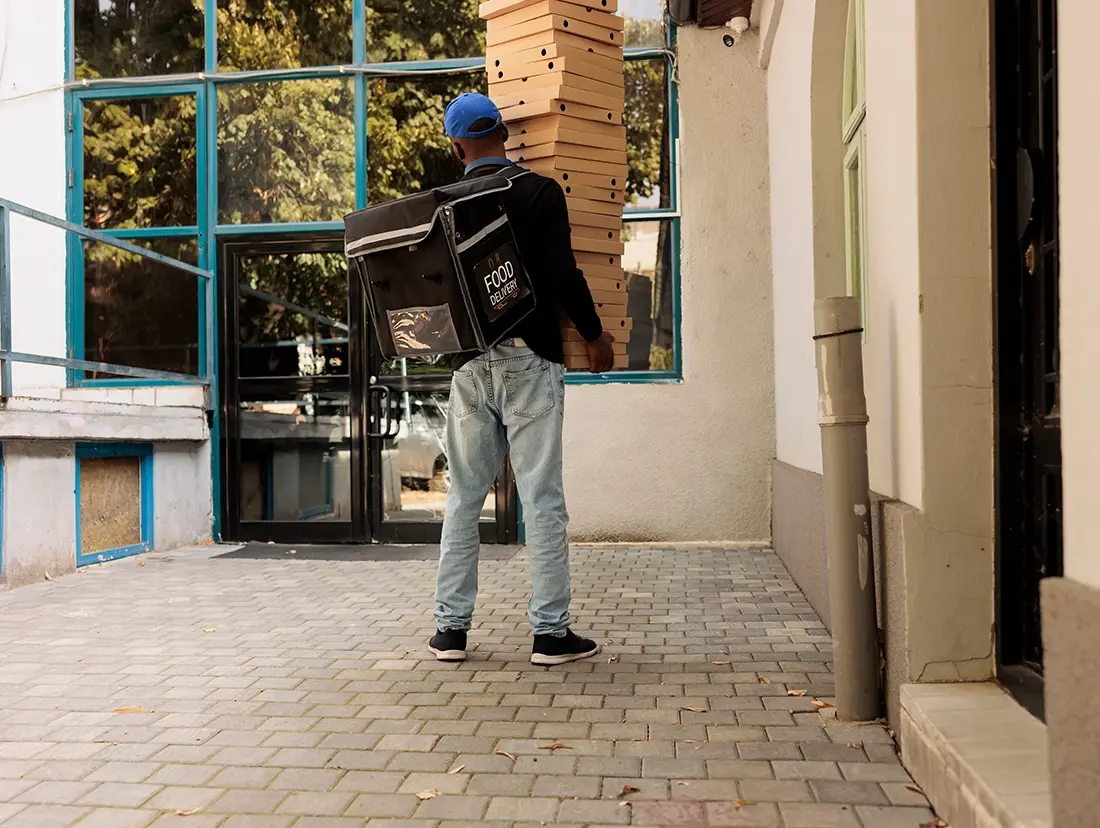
(204, 86)
(144, 453)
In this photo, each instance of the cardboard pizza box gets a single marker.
(609, 72)
(568, 94)
(599, 259)
(595, 221)
(533, 109)
(605, 194)
(607, 285)
(585, 14)
(582, 244)
(495, 8)
(588, 205)
(601, 272)
(579, 179)
(521, 136)
(498, 33)
(605, 298)
(580, 363)
(571, 334)
(569, 80)
(550, 46)
(558, 148)
(566, 163)
(572, 348)
(601, 233)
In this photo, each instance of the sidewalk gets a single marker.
(183, 690)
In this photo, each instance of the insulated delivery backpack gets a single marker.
(441, 269)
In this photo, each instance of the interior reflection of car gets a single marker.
(420, 444)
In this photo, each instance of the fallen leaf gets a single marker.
(694, 709)
(821, 705)
(555, 745)
(131, 708)
(607, 642)
(612, 659)
(49, 577)
(719, 663)
(626, 804)
(627, 790)
(936, 823)
(798, 693)
(431, 793)
(854, 745)
(141, 563)
(209, 629)
(456, 770)
(682, 784)
(763, 680)
(741, 803)
(292, 551)
(500, 752)
(188, 813)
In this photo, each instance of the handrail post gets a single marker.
(5, 303)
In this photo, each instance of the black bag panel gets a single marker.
(442, 270)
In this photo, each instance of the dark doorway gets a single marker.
(1029, 451)
(324, 442)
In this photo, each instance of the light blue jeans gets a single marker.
(511, 399)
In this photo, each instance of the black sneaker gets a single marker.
(449, 645)
(549, 650)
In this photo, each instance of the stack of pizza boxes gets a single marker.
(556, 73)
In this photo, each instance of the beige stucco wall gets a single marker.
(691, 461)
(798, 442)
(1079, 211)
(892, 358)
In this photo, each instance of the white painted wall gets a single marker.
(182, 491)
(32, 172)
(1079, 182)
(691, 461)
(39, 510)
(892, 362)
(797, 437)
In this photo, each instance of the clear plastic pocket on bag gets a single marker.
(425, 330)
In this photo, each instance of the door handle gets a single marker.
(389, 426)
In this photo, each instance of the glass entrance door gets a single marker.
(324, 441)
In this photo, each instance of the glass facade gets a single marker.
(204, 120)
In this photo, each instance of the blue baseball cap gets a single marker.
(465, 111)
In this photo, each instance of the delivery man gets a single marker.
(512, 398)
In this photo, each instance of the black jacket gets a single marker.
(540, 221)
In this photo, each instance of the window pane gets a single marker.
(647, 262)
(283, 34)
(139, 163)
(423, 30)
(296, 457)
(293, 315)
(645, 24)
(286, 151)
(419, 452)
(141, 313)
(647, 136)
(116, 38)
(853, 221)
(406, 148)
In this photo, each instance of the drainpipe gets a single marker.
(842, 415)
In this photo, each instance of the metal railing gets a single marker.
(8, 356)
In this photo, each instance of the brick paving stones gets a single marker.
(182, 690)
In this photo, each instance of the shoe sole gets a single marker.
(448, 655)
(554, 660)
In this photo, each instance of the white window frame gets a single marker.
(854, 136)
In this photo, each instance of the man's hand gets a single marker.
(601, 357)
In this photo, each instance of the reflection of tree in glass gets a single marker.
(139, 163)
(138, 312)
(116, 38)
(316, 281)
(263, 34)
(423, 30)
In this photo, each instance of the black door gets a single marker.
(325, 442)
(1029, 450)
